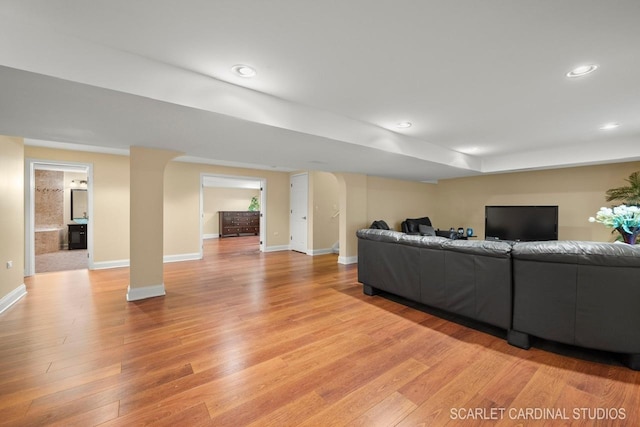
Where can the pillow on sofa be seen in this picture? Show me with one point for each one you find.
(410, 225)
(426, 230)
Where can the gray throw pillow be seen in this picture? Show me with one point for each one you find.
(426, 230)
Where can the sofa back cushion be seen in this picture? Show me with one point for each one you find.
(426, 230)
(379, 235)
(411, 225)
(576, 252)
(486, 248)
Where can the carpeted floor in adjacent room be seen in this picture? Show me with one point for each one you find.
(62, 260)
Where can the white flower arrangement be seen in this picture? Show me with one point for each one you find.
(625, 219)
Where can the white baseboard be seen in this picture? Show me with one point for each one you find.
(102, 265)
(144, 292)
(347, 259)
(182, 257)
(12, 297)
(276, 248)
(210, 236)
(314, 252)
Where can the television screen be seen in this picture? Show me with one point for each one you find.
(521, 223)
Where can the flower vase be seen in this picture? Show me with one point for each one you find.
(629, 238)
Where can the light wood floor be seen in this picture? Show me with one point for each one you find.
(275, 339)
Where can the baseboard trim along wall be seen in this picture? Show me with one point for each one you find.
(210, 236)
(314, 252)
(276, 248)
(135, 294)
(347, 259)
(12, 297)
(181, 257)
(102, 265)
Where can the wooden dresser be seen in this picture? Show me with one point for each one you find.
(236, 223)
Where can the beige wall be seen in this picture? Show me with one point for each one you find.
(11, 214)
(216, 199)
(579, 192)
(394, 200)
(352, 193)
(323, 206)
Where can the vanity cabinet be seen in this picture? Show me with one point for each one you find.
(77, 236)
(236, 223)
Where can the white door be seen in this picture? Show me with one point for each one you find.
(298, 218)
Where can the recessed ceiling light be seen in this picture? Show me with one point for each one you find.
(609, 126)
(403, 125)
(469, 150)
(243, 70)
(582, 70)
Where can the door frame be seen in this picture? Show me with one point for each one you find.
(29, 204)
(306, 230)
(263, 205)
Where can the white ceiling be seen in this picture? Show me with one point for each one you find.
(483, 82)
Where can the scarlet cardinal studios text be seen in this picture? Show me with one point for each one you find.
(538, 413)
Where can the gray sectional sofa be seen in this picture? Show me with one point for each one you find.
(580, 293)
(465, 277)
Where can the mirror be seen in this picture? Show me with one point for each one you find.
(78, 204)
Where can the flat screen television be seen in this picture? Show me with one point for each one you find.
(521, 223)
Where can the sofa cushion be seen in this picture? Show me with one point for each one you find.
(479, 247)
(379, 235)
(412, 224)
(426, 230)
(576, 252)
(433, 242)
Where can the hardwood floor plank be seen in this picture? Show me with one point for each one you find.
(92, 417)
(388, 412)
(16, 372)
(508, 382)
(293, 413)
(436, 408)
(108, 389)
(194, 416)
(361, 401)
(39, 387)
(158, 414)
(271, 339)
(95, 357)
(76, 400)
(213, 390)
(13, 414)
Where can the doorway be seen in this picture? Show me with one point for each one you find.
(58, 204)
(230, 193)
(299, 212)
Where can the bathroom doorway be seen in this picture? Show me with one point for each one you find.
(58, 211)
